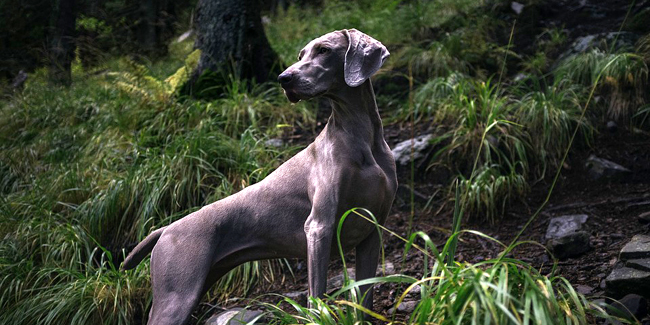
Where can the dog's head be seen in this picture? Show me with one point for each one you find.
(345, 58)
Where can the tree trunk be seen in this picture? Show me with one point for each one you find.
(147, 31)
(62, 45)
(231, 38)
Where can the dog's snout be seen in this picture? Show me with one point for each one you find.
(285, 77)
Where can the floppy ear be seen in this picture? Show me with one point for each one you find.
(364, 57)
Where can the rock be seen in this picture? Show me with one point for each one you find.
(517, 7)
(298, 296)
(644, 217)
(407, 306)
(629, 307)
(599, 168)
(402, 150)
(570, 245)
(627, 280)
(19, 80)
(387, 269)
(602, 41)
(583, 289)
(277, 143)
(612, 127)
(184, 36)
(235, 316)
(336, 282)
(404, 307)
(561, 226)
(638, 247)
(416, 290)
(639, 264)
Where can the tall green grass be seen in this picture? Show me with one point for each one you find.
(89, 169)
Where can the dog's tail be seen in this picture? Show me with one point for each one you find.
(142, 250)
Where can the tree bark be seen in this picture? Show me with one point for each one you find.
(231, 38)
(62, 45)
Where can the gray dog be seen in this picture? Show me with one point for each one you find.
(294, 212)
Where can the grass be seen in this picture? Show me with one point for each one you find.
(89, 169)
(495, 291)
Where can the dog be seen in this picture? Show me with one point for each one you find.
(295, 211)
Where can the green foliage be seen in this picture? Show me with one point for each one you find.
(88, 169)
(495, 291)
(623, 78)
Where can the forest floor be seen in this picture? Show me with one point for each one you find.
(612, 206)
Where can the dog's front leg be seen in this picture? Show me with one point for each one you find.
(319, 229)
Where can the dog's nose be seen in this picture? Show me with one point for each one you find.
(285, 78)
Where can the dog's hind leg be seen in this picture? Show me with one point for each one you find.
(367, 258)
(179, 269)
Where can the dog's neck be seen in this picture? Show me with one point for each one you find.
(354, 112)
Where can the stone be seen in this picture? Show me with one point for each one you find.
(336, 282)
(517, 7)
(407, 306)
(644, 217)
(603, 169)
(298, 296)
(19, 80)
(612, 127)
(638, 247)
(277, 143)
(404, 307)
(629, 307)
(185, 36)
(387, 269)
(571, 245)
(561, 226)
(639, 264)
(235, 316)
(402, 150)
(625, 280)
(583, 289)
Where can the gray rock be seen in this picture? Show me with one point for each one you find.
(629, 307)
(407, 306)
(387, 269)
(602, 41)
(404, 307)
(571, 245)
(639, 264)
(277, 143)
(599, 168)
(583, 289)
(298, 296)
(625, 280)
(236, 316)
(19, 80)
(517, 7)
(612, 127)
(644, 217)
(561, 226)
(185, 36)
(402, 150)
(638, 247)
(336, 282)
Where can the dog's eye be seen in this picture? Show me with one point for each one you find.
(323, 50)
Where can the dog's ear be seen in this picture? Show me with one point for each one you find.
(364, 57)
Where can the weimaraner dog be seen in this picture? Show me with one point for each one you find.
(294, 212)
